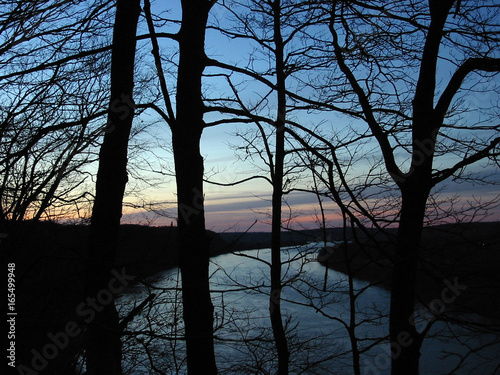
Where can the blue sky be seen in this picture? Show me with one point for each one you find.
(237, 207)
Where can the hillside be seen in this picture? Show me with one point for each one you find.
(260, 240)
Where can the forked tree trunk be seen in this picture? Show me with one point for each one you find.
(405, 340)
(103, 344)
(415, 190)
(193, 241)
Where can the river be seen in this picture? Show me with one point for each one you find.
(316, 322)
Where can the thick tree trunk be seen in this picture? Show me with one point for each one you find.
(193, 242)
(405, 340)
(193, 255)
(103, 344)
(415, 190)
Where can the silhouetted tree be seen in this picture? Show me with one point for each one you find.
(103, 336)
(49, 105)
(382, 67)
(193, 241)
(272, 26)
(419, 108)
(187, 125)
(277, 172)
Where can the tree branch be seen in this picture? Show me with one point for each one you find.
(444, 174)
(79, 55)
(156, 54)
(470, 65)
(374, 126)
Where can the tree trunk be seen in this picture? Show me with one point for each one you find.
(275, 296)
(103, 344)
(277, 179)
(405, 340)
(193, 241)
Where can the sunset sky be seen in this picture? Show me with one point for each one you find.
(236, 208)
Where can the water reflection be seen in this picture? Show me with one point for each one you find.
(317, 322)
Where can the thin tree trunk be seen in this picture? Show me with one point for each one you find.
(275, 296)
(103, 344)
(352, 300)
(193, 241)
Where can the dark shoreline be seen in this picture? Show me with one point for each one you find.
(467, 255)
(50, 263)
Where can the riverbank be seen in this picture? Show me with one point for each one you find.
(50, 265)
(465, 254)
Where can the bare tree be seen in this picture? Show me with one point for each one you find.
(55, 63)
(49, 106)
(406, 109)
(187, 125)
(103, 341)
(277, 172)
(272, 26)
(381, 64)
(377, 77)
